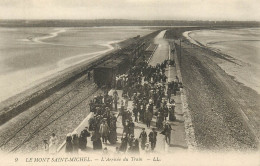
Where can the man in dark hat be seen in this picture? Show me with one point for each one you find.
(143, 137)
(135, 111)
(115, 99)
(167, 131)
(153, 138)
(131, 127)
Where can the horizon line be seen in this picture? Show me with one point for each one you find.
(56, 19)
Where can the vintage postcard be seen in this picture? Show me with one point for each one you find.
(129, 82)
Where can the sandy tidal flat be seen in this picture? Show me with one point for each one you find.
(29, 56)
(240, 46)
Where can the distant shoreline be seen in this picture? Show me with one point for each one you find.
(123, 22)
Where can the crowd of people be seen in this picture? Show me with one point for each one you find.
(147, 87)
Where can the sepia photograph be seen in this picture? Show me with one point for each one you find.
(130, 82)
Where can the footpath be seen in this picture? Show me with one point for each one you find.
(178, 140)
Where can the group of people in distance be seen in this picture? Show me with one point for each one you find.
(146, 86)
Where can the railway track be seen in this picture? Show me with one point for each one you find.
(38, 114)
(52, 117)
(44, 125)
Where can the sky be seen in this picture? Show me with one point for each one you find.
(245, 10)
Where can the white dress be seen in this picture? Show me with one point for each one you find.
(53, 145)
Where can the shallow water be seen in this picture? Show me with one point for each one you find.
(29, 56)
(243, 47)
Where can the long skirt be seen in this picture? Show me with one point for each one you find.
(143, 142)
(69, 148)
(82, 143)
(97, 144)
(123, 147)
(112, 137)
(53, 148)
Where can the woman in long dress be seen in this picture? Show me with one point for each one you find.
(104, 131)
(69, 147)
(53, 144)
(75, 142)
(143, 138)
(124, 141)
(171, 112)
(112, 134)
(97, 145)
(83, 141)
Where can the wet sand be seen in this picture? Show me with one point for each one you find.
(30, 56)
(240, 46)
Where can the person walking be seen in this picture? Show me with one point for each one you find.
(169, 94)
(53, 144)
(75, 142)
(148, 117)
(131, 127)
(167, 132)
(112, 138)
(124, 142)
(135, 111)
(141, 113)
(83, 139)
(172, 116)
(153, 138)
(69, 146)
(115, 99)
(104, 131)
(143, 138)
(97, 145)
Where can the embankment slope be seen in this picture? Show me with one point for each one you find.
(216, 102)
(219, 105)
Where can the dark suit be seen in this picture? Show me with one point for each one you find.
(143, 137)
(153, 139)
